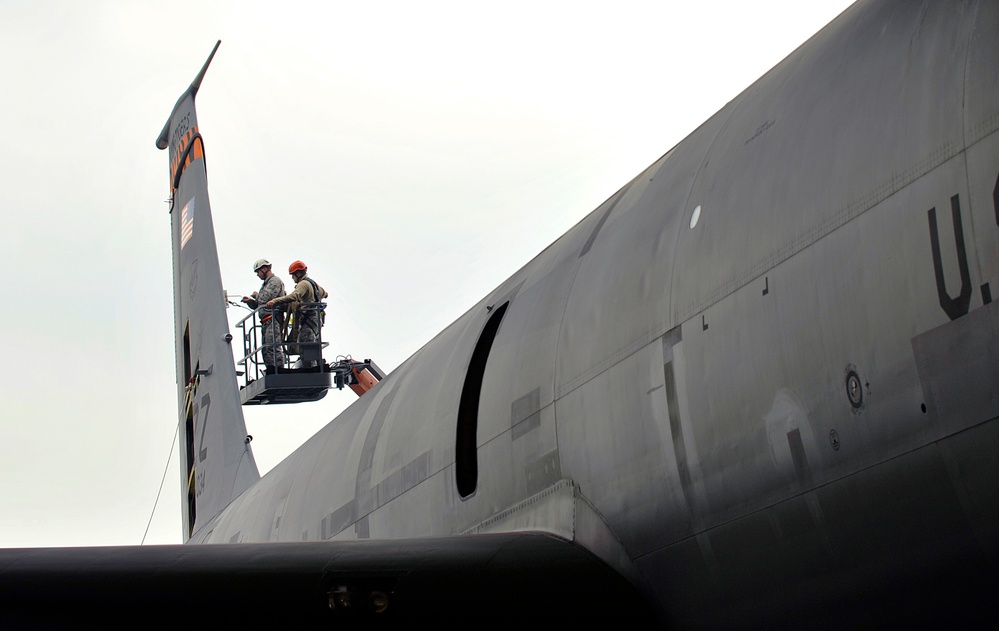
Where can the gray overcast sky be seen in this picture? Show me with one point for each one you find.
(414, 155)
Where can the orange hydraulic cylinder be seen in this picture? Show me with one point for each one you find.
(365, 380)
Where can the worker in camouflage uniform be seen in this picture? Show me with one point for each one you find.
(271, 320)
(305, 328)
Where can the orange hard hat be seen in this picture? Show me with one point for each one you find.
(297, 266)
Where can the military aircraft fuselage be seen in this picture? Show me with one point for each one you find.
(760, 380)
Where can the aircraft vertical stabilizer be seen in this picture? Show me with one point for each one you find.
(216, 462)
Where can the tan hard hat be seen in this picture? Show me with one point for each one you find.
(261, 263)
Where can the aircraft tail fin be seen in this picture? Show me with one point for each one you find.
(216, 461)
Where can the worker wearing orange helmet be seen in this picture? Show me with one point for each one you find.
(306, 323)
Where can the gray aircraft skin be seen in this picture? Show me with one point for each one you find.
(755, 387)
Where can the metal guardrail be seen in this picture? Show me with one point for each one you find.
(252, 327)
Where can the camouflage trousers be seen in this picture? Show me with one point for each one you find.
(307, 334)
(272, 334)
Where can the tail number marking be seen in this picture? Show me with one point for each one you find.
(200, 483)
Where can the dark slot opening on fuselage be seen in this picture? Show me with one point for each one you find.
(465, 459)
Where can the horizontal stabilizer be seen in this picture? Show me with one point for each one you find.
(162, 141)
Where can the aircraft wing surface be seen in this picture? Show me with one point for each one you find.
(529, 577)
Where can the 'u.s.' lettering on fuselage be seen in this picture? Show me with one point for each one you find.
(955, 307)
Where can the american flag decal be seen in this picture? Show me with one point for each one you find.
(186, 223)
